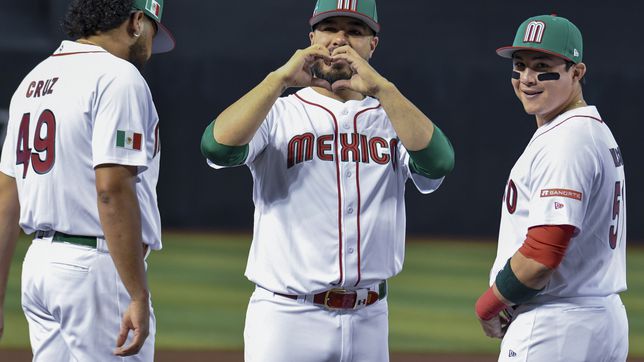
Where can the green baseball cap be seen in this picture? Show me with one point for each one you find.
(163, 41)
(549, 34)
(364, 10)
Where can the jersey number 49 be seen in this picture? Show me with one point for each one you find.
(42, 160)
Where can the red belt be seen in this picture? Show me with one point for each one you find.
(338, 298)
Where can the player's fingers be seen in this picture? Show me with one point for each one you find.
(492, 328)
(343, 57)
(313, 56)
(135, 346)
(122, 337)
(345, 49)
(341, 85)
(317, 51)
(317, 82)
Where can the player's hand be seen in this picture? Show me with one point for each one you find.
(497, 326)
(137, 319)
(297, 72)
(365, 79)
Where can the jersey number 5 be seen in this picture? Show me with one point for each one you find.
(618, 196)
(44, 145)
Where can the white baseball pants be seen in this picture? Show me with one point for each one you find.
(74, 301)
(568, 330)
(279, 329)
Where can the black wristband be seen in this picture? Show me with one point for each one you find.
(511, 287)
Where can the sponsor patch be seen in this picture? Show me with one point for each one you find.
(571, 194)
(128, 140)
(558, 205)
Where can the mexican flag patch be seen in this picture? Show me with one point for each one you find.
(128, 140)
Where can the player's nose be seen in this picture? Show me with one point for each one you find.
(340, 39)
(529, 76)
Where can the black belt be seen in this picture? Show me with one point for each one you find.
(66, 238)
(339, 298)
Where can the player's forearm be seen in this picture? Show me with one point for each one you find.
(414, 128)
(237, 125)
(9, 229)
(530, 272)
(120, 216)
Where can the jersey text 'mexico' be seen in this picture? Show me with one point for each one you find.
(353, 147)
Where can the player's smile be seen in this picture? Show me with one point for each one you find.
(531, 94)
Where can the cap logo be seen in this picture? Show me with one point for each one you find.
(153, 7)
(348, 4)
(534, 32)
(575, 52)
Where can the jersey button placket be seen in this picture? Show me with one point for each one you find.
(350, 204)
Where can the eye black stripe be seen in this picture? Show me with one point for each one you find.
(548, 76)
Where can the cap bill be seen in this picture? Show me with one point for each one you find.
(506, 52)
(163, 42)
(349, 13)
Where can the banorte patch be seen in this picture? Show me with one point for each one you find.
(571, 194)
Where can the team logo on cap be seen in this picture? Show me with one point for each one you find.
(534, 32)
(153, 7)
(348, 4)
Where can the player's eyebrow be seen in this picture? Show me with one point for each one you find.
(352, 22)
(535, 57)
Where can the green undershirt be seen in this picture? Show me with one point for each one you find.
(219, 154)
(436, 160)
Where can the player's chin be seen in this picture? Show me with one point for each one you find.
(531, 107)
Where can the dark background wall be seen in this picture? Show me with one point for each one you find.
(439, 53)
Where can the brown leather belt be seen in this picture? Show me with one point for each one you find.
(339, 298)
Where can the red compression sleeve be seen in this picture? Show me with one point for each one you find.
(547, 244)
(489, 306)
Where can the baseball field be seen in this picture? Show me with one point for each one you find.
(200, 295)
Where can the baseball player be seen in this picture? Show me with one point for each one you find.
(329, 165)
(79, 170)
(561, 256)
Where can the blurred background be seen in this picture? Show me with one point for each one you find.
(440, 54)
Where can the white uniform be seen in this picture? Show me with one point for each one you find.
(79, 108)
(329, 184)
(571, 173)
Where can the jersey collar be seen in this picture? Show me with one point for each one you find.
(68, 47)
(587, 111)
(311, 95)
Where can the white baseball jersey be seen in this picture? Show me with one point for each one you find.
(329, 184)
(571, 173)
(80, 108)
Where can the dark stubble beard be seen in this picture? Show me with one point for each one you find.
(332, 73)
(138, 55)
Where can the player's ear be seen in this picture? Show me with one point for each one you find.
(136, 24)
(579, 71)
(311, 36)
(373, 44)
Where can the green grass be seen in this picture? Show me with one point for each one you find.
(200, 295)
